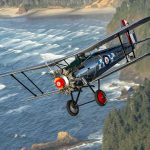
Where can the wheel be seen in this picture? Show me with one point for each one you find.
(72, 108)
(100, 97)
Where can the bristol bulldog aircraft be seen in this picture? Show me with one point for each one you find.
(89, 65)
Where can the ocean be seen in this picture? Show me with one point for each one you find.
(26, 41)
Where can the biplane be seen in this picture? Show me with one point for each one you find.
(89, 65)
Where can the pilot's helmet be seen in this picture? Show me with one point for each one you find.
(81, 55)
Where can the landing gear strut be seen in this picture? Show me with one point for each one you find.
(72, 105)
(100, 96)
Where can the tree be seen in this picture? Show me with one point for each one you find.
(129, 127)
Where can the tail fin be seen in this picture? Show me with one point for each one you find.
(128, 37)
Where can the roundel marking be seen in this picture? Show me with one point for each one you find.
(106, 60)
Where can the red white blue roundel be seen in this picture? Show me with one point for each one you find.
(106, 60)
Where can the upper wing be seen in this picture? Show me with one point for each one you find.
(116, 34)
(90, 48)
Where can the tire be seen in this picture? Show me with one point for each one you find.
(72, 108)
(100, 97)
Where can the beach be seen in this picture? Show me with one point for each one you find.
(8, 12)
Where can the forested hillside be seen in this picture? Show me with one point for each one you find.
(133, 10)
(129, 128)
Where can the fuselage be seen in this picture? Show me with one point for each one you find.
(90, 67)
(101, 61)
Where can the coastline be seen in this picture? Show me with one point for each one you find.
(11, 12)
(45, 12)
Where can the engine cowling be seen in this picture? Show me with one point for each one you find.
(65, 81)
(61, 82)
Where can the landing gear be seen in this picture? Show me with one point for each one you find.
(72, 105)
(100, 97)
(72, 108)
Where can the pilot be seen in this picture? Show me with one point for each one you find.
(77, 63)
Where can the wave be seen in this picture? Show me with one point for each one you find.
(58, 38)
(94, 30)
(52, 38)
(47, 38)
(16, 51)
(57, 32)
(115, 88)
(27, 35)
(43, 73)
(69, 46)
(75, 49)
(107, 87)
(96, 136)
(50, 46)
(2, 86)
(25, 55)
(19, 135)
(1, 46)
(125, 84)
(117, 84)
(41, 30)
(8, 96)
(80, 33)
(6, 52)
(84, 145)
(50, 56)
(11, 42)
(95, 27)
(18, 44)
(6, 29)
(114, 95)
(18, 110)
(28, 43)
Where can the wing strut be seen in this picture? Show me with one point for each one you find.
(123, 47)
(132, 45)
(32, 82)
(23, 85)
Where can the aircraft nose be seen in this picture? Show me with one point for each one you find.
(59, 82)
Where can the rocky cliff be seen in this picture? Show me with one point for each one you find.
(104, 3)
(133, 10)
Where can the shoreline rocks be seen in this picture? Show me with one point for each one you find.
(64, 141)
(22, 10)
(125, 93)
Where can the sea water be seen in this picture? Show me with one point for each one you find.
(29, 41)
